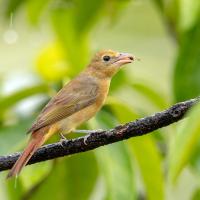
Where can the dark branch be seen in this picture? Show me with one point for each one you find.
(100, 138)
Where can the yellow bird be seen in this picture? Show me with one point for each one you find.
(75, 103)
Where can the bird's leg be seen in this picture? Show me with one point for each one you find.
(62, 137)
(87, 131)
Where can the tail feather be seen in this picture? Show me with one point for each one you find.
(37, 139)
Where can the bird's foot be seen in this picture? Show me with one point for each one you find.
(88, 132)
(62, 139)
(85, 139)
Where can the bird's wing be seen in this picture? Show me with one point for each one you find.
(78, 94)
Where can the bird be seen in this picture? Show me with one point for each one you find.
(78, 101)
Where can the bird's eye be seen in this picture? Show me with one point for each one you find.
(106, 58)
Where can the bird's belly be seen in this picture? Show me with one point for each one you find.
(70, 123)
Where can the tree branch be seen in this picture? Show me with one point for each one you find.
(100, 138)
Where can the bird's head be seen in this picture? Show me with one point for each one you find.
(107, 62)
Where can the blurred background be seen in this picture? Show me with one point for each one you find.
(45, 43)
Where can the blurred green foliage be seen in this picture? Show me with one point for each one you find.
(148, 167)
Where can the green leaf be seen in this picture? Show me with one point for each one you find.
(189, 13)
(15, 189)
(149, 161)
(12, 6)
(185, 143)
(72, 23)
(33, 175)
(146, 154)
(86, 14)
(152, 95)
(160, 4)
(116, 166)
(71, 178)
(11, 137)
(196, 195)
(75, 46)
(35, 9)
(10, 100)
(54, 183)
(105, 119)
(171, 8)
(118, 80)
(194, 162)
(82, 175)
(114, 8)
(123, 112)
(187, 69)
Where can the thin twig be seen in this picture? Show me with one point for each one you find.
(100, 138)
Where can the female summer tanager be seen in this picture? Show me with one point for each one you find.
(75, 103)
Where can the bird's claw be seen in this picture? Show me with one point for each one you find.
(62, 139)
(85, 139)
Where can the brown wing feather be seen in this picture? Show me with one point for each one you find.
(76, 95)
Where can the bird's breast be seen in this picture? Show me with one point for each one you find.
(103, 92)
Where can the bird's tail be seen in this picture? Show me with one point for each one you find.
(37, 139)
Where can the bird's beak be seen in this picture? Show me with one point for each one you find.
(124, 58)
